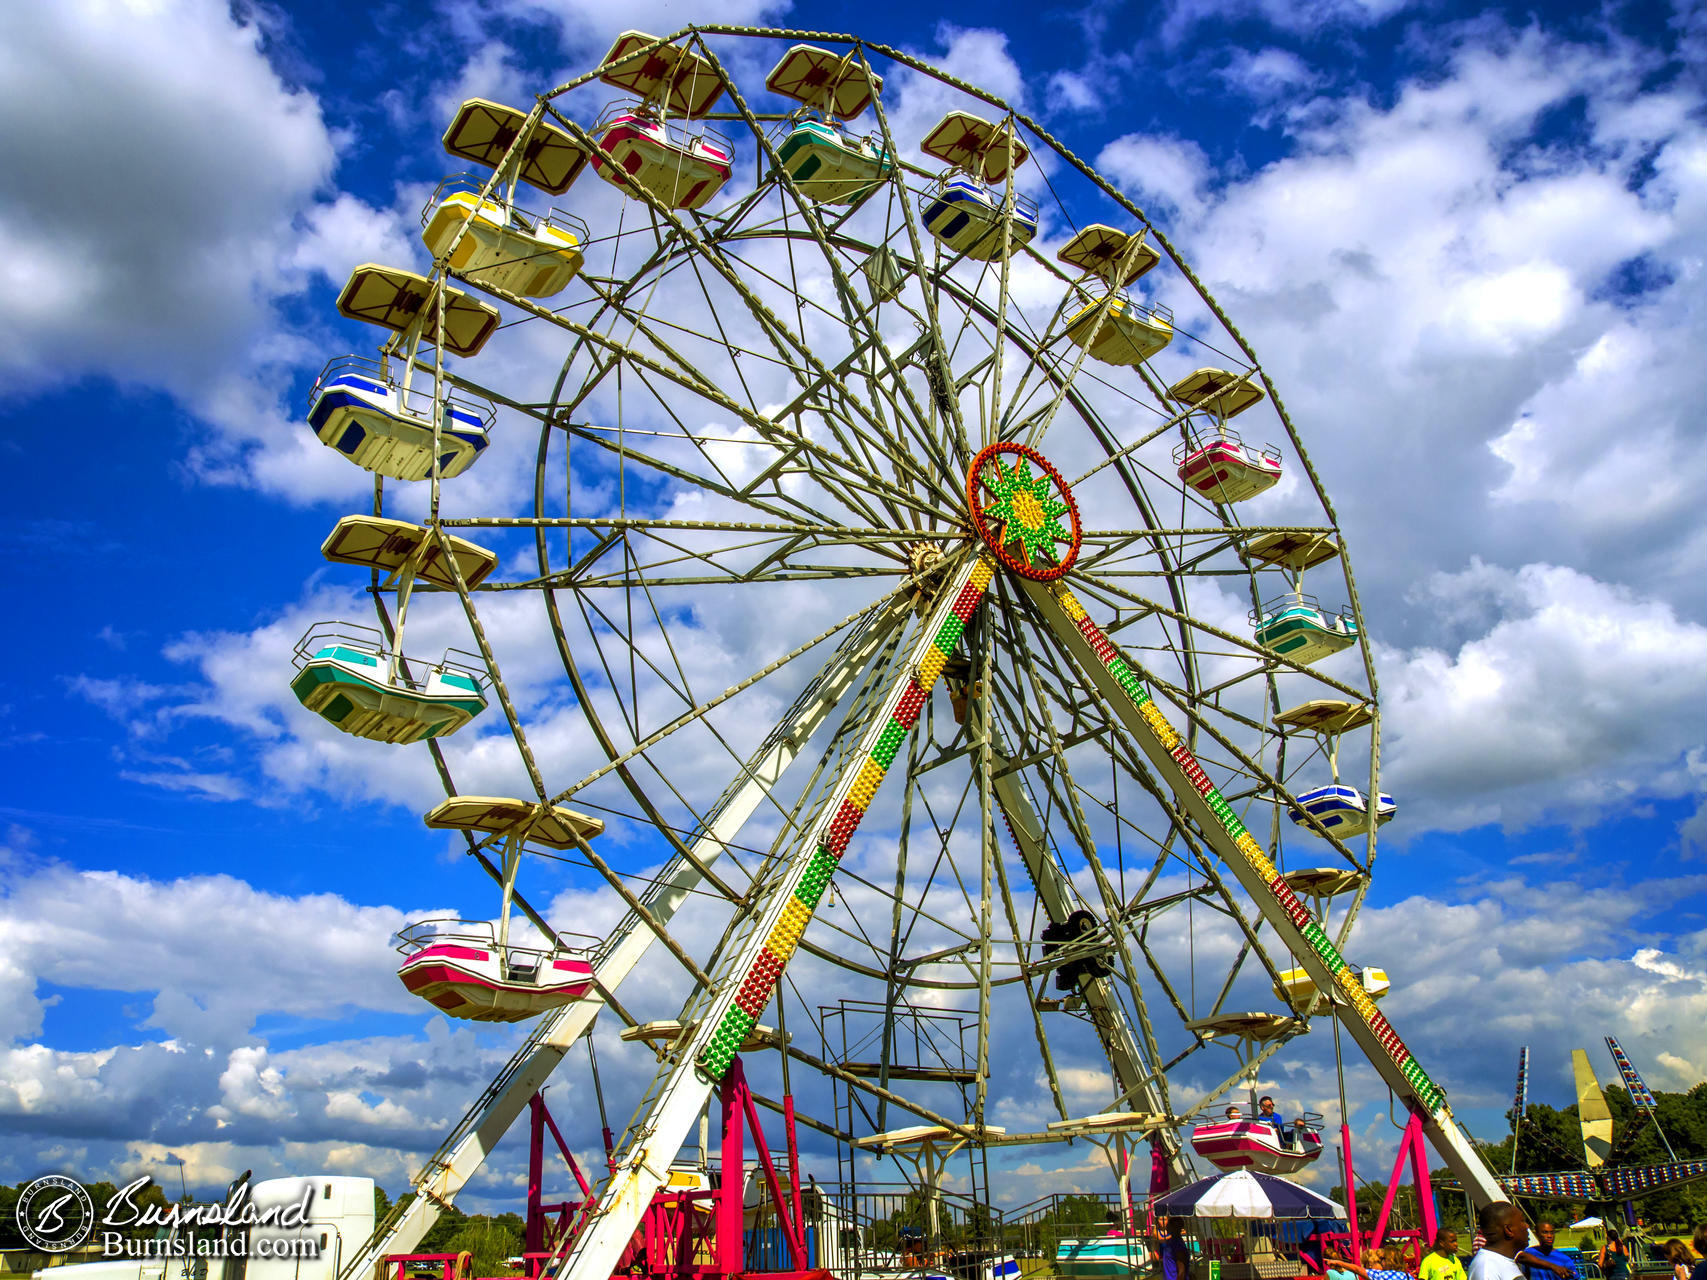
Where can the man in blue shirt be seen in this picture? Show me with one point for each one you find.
(1543, 1260)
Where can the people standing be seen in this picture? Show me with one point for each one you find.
(1441, 1261)
(1378, 1264)
(1506, 1231)
(1700, 1238)
(1613, 1258)
(1679, 1255)
(1174, 1254)
(1543, 1257)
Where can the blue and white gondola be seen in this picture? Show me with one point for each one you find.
(1337, 807)
(357, 409)
(966, 217)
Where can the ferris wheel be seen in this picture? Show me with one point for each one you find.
(928, 615)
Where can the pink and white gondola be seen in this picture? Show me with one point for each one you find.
(683, 170)
(1257, 1144)
(1226, 469)
(458, 967)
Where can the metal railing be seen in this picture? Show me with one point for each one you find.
(1272, 609)
(416, 402)
(648, 118)
(1196, 442)
(426, 933)
(369, 642)
(517, 218)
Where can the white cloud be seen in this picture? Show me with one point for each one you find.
(213, 952)
(1483, 337)
(1167, 172)
(1578, 696)
(585, 28)
(172, 195)
(1183, 17)
(1536, 976)
(1266, 74)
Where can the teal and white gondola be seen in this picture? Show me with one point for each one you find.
(347, 676)
(831, 166)
(357, 408)
(827, 163)
(1297, 627)
(1341, 808)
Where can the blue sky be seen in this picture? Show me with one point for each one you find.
(1467, 243)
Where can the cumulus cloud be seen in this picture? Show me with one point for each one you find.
(212, 951)
(1576, 696)
(1444, 297)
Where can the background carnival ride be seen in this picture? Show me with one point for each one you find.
(851, 386)
(1607, 1176)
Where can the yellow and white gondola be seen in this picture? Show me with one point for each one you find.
(530, 254)
(1298, 989)
(1128, 334)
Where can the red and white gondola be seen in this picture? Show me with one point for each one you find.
(458, 967)
(1265, 1146)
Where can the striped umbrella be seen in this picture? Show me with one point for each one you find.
(1244, 1194)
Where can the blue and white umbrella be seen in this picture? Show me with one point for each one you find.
(1244, 1194)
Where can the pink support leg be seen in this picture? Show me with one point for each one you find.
(1350, 1191)
(732, 1181)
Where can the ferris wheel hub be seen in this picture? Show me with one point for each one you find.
(1019, 515)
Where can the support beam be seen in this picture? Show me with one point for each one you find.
(758, 958)
(456, 1161)
(1119, 683)
(1132, 1079)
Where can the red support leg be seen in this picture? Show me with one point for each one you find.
(1350, 1191)
(1425, 1187)
(793, 1161)
(732, 1180)
(790, 1225)
(533, 1237)
(1411, 1148)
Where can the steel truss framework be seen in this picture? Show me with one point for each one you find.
(752, 448)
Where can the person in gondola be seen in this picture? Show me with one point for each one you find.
(1267, 1114)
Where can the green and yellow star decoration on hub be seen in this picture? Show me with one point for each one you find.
(1022, 521)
